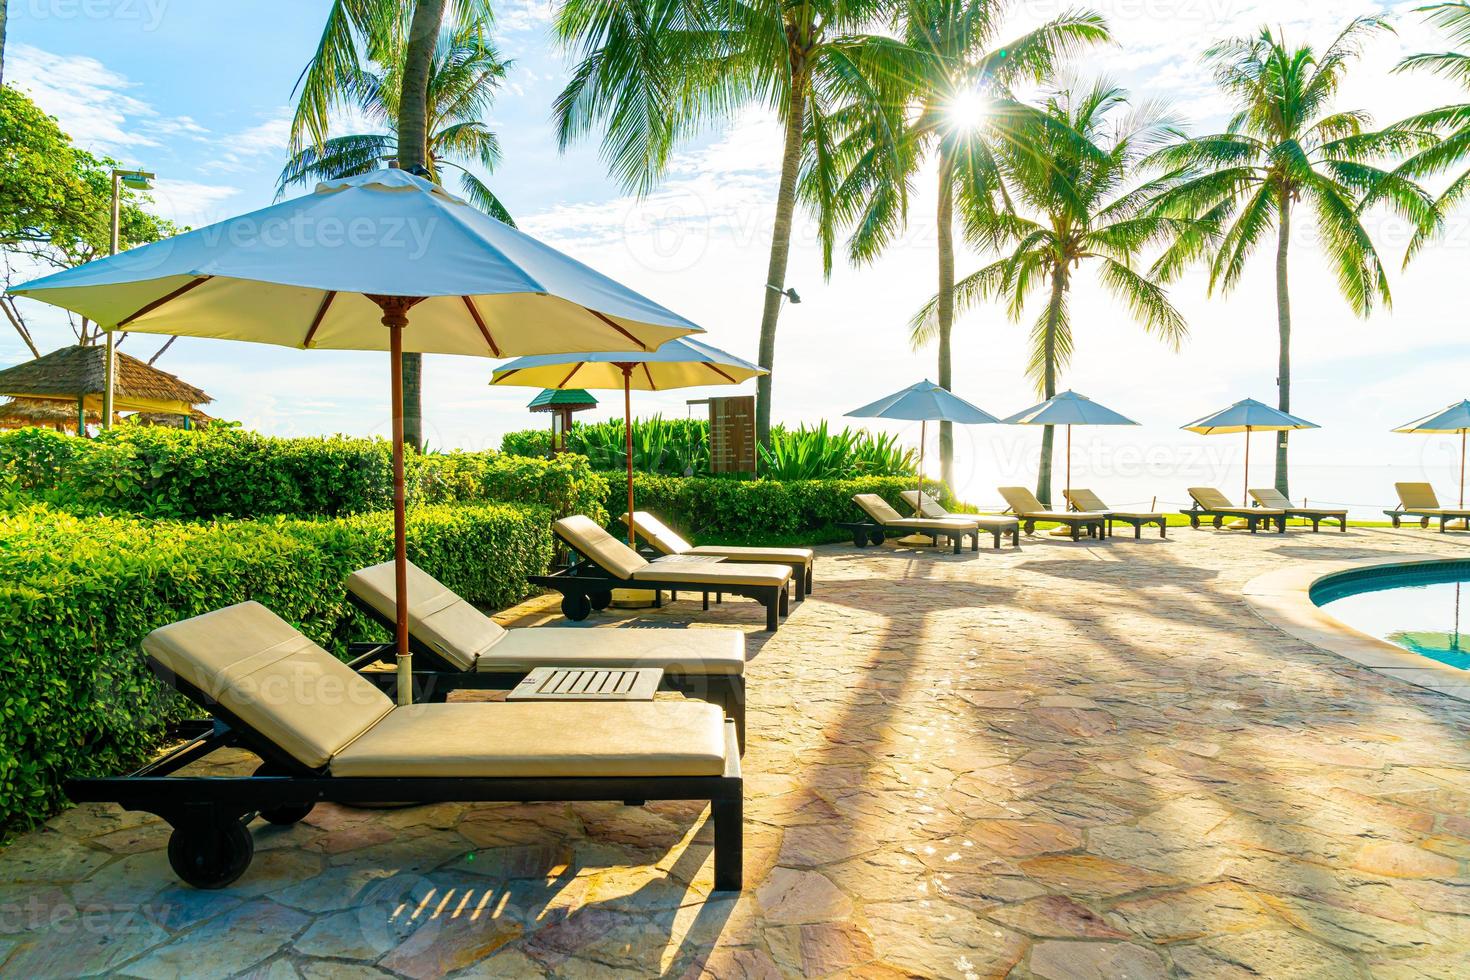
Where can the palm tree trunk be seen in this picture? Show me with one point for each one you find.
(3, 5)
(413, 143)
(945, 308)
(780, 245)
(1283, 326)
(1054, 309)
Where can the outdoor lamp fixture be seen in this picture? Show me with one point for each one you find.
(788, 293)
(134, 180)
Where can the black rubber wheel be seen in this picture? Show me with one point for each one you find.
(210, 855)
(576, 607)
(601, 600)
(860, 538)
(282, 816)
(876, 537)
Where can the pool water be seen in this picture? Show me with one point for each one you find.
(1421, 608)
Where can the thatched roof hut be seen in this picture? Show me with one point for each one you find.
(76, 372)
(21, 413)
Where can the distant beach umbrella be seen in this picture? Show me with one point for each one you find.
(682, 363)
(1449, 421)
(1248, 416)
(1069, 409)
(334, 268)
(924, 402)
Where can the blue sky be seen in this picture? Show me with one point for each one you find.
(200, 93)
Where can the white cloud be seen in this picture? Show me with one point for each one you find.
(92, 102)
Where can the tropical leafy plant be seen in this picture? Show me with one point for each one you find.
(817, 454)
(1288, 146)
(1075, 174)
(948, 97)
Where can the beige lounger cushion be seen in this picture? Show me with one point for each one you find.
(278, 682)
(713, 574)
(667, 541)
(877, 508)
(1417, 496)
(472, 641)
(542, 740)
(437, 617)
(927, 507)
(612, 555)
(883, 513)
(676, 651)
(1023, 503)
(1275, 499)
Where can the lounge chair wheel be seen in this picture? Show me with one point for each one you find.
(282, 816)
(875, 536)
(210, 855)
(860, 538)
(576, 607)
(600, 600)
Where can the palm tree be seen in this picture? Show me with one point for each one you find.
(4, 5)
(1073, 171)
(653, 72)
(366, 28)
(1288, 145)
(464, 77)
(954, 101)
(1450, 124)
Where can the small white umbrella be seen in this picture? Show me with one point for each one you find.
(332, 268)
(1248, 415)
(1452, 420)
(1069, 409)
(683, 363)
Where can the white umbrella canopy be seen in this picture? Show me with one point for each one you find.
(333, 268)
(924, 402)
(301, 273)
(1069, 409)
(1248, 415)
(1454, 420)
(682, 363)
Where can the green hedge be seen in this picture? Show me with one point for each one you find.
(757, 512)
(78, 594)
(222, 472)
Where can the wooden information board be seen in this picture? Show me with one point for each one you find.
(732, 435)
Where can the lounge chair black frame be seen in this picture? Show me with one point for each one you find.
(1424, 517)
(1317, 516)
(211, 844)
(1096, 527)
(585, 585)
(1138, 524)
(1251, 515)
(868, 531)
(442, 678)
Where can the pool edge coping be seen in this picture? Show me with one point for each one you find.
(1283, 599)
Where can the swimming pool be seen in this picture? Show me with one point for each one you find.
(1420, 608)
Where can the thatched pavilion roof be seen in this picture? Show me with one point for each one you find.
(75, 371)
(18, 413)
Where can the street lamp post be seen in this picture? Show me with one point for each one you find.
(137, 180)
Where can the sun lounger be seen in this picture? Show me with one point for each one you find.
(1209, 502)
(664, 540)
(1087, 501)
(601, 563)
(1419, 500)
(456, 646)
(880, 518)
(1029, 511)
(325, 733)
(1274, 499)
(998, 525)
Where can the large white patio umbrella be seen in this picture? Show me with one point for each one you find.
(1069, 409)
(332, 268)
(684, 363)
(1455, 419)
(924, 402)
(1248, 416)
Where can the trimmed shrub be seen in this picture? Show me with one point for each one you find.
(77, 595)
(769, 512)
(222, 472)
(527, 442)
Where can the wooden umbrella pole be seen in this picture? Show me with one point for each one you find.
(628, 435)
(1069, 463)
(395, 318)
(1245, 491)
(923, 438)
(1462, 469)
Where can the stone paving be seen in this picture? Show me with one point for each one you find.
(1072, 761)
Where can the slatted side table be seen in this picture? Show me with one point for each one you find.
(588, 684)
